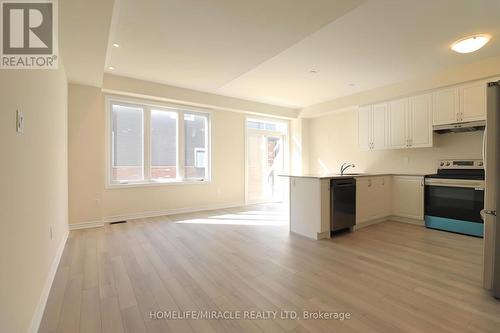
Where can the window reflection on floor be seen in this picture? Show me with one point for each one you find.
(261, 215)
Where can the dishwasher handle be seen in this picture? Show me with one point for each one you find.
(335, 185)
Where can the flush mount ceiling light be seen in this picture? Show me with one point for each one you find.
(116, 45)
(470, 44)
(111, 68)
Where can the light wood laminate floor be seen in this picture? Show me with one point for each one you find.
(391, 277)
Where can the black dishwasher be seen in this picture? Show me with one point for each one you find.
(342, 204)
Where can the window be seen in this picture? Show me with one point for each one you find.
(157, 144)
(127, 143)
(267, 125)
(163, 144)
(195, 138)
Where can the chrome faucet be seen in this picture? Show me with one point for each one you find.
(344, 167)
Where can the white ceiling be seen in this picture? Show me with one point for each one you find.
(264, 50)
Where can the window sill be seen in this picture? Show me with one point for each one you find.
(157, 183)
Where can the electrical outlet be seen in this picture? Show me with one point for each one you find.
(19, 122)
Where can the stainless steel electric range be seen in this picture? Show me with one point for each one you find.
(454, 197)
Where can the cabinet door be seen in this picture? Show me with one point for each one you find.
(381, 197)
(420, 123)
(364, 204)
(473, 102)
(379, 113)
(364, 127)
(445, 108)
(396, 123)
(408, 197)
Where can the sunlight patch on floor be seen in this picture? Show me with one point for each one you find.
(256, 218)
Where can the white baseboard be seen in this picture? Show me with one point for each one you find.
(85, 225)
(42, 302)
(405, 219)
(143, 215)
(366, 223)
(323, 235)
(395, 218)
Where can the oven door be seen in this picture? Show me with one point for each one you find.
(457, 199)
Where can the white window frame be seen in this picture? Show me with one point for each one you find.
(147, 106)
(196, 151)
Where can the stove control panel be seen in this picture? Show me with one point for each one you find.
(460, 164)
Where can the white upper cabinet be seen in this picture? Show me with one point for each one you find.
(372, 126)
(397, 112)
(460, 104)
(379, 126)
(364, 127)
(445, 109)
(402, 123)
(407, 122)
(473, 102)
(420, 121)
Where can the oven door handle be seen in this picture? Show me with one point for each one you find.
(475, 184)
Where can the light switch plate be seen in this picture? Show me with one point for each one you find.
(19, 122)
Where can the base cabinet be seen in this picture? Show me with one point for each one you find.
(310, 207)
(373, 198)
(408, 197)
(384, 196)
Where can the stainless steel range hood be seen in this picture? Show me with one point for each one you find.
(470, 126)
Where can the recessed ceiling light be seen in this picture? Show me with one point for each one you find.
(116, 45)
(470, 44)
(313, 71)
(351, 84)
(111, 68)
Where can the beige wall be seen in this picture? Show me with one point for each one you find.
(33, 189)
(299, 158)
(91, 201)
(334, 139)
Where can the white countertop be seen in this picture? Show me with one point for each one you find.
(348, 175)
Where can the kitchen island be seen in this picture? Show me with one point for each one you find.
(378, 197)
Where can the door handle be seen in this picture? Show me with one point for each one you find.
(485, 133)
(488, 212)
